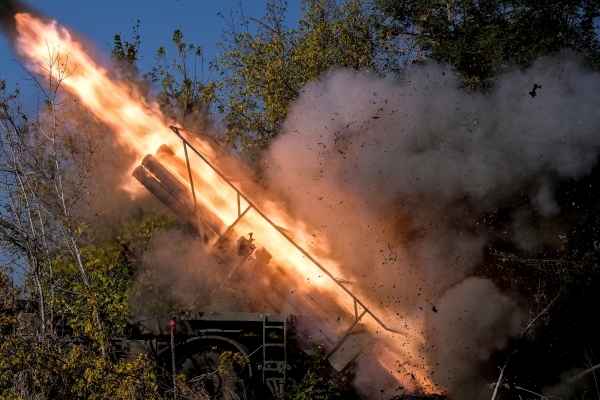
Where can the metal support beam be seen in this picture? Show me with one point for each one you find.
(176, 130)
(187, 160)
(345, 335)
(229, 228)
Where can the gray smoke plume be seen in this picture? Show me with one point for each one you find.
(403, 180)
(566, 387)
(176, 275)
(8, 9)
(473, 320)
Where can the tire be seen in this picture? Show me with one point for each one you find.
(199, 361)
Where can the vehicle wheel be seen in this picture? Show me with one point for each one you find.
(200, 361)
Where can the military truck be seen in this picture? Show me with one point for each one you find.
(196, 182)
(231, 352)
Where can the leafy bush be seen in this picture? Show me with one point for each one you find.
(317, 381)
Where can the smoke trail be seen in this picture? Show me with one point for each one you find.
(406, 181)
(109, 160)
(8, 9)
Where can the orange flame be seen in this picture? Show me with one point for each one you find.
(140, 126)
(52, 52)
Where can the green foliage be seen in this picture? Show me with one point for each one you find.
(273, 335)
(112, 266)
(477, 37)
(72, 366)
(264, 64)
(184, 92)
(53, 368)
(317, 382)
(9, 294)
(231, 361)
(127, 52)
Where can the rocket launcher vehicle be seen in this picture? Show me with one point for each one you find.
(196, 182)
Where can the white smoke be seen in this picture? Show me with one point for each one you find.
(178, 275)
(473, 321)
(403, 179)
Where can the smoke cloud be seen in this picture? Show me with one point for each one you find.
(8, 9)
(405, 180)
(566, 388)
(177, 275)
(473, 321)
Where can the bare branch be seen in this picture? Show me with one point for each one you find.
(500, 379)
(583, 373)
(533, 321)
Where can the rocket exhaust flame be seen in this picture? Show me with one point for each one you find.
(52, 52)
(357, 302)
(337, 290)
(199, 187)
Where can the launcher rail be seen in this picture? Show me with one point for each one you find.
(240, 214)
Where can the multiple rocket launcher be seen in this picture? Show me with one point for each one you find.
(247, 261)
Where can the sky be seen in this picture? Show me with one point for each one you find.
(100, 20)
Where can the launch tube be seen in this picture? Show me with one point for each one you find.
(183, 213)
(174, 185)
(166, 156)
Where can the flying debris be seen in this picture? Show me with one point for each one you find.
(535, 86)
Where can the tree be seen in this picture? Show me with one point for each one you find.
(316, 380)
(75, 284)
(565, 293)
(65, 362)
(478, 37)
(185, 92)
(264, 64)
(45, 168)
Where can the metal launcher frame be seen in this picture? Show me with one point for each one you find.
(260, 338)
(350, 338)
